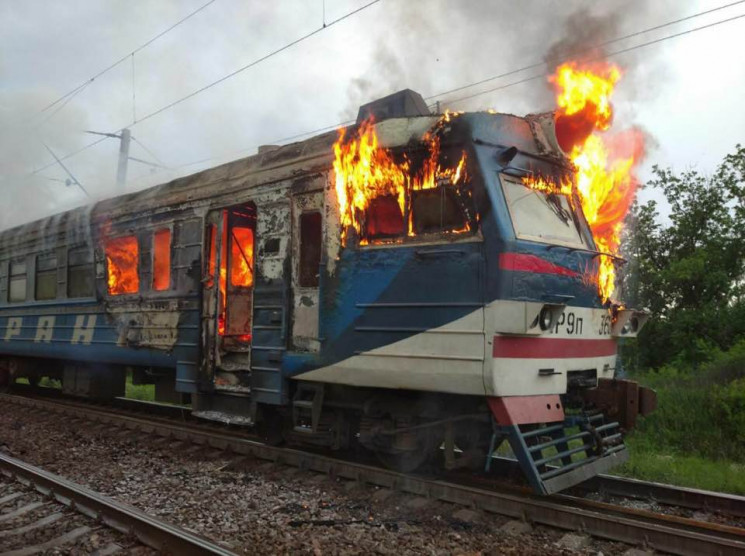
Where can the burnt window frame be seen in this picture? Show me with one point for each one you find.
(89, 262)
(12, 262)
(38, 272)
(586, 241)
(140, 290)
(315, 283)
(439, 237)
(443, 191)
(169, 229)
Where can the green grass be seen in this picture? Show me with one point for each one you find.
(696, 436)
(650, 464)
(144, 392)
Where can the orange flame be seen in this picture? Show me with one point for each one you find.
(122, 255)
(366, 173)
(604, 179)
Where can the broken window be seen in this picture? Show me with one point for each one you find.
(241, 257)
(46, 277)
(122, 257)
(384, 218)
(271, 247)
(540, 216)
(310, 249)
(80, 280)
(162, 259)
(17, 281)
(436, 211)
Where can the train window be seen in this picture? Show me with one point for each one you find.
(437, 210)
(384, 218)
(46, 277)
(310, 249)
(162, 259)
(17, 281)
(80, 277)
(241, 257)
(539, 216)
(122, 258)
(271, 247)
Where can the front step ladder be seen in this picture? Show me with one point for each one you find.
(557, 456)
(306, 407)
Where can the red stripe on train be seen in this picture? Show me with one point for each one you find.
(551, 348)
(522, 262)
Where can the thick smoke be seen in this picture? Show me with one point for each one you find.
(29, 195)
(431, 53)
(430, 47)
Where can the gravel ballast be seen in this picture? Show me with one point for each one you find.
(252, 506)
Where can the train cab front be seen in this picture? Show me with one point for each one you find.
(554, 395)
(551, 328)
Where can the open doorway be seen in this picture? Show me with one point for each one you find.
(228, 294)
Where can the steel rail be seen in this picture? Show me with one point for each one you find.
(670, 495)
(666, 533)
(607, 485)
(691, 498)
(153, 532)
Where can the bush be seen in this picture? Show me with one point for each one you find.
(701, 409)
(729, 407)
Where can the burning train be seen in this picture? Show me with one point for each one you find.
(426, 286)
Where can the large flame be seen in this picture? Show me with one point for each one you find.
(365, 172)
(122, 255)
(604, 180)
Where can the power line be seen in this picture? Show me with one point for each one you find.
(607, 55)
(123, 58)
(255, 62)
(69, 155)
(512, 84)
(148, 151)
(586, 49)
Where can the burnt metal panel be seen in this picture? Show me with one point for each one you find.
(186, 255)
(269, 337)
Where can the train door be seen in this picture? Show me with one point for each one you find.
(228, 296)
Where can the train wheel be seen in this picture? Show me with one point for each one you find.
(422, 447)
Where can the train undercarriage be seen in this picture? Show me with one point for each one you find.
(406, 431)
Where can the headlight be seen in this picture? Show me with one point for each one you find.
(545, 318)
(628, 322)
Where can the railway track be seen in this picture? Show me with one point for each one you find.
(51, 493)
(667, 533)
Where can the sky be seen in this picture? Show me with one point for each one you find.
(684, 92)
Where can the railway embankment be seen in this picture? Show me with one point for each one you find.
(252, 506)
(696, 437)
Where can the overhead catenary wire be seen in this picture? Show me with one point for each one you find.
(512, 72)
(228, 76)
(511, 84)
(603, 56)
(255, 62)
(70, 155)
(148, 151)
(124, 58)
(583, 50)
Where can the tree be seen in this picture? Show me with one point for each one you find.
(689, 272)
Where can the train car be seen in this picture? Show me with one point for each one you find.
(441, 312)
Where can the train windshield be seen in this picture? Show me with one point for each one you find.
(541, 216)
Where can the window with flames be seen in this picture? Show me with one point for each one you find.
(392, 197)
(122, 265)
